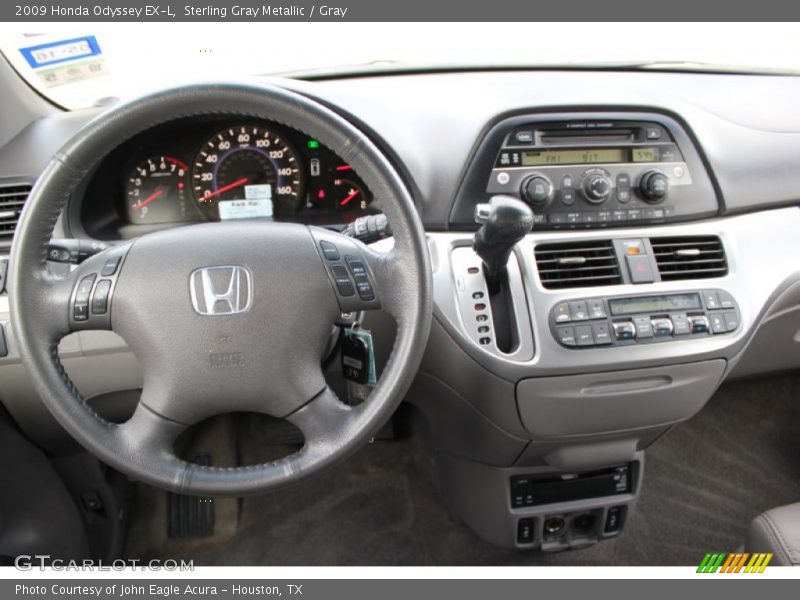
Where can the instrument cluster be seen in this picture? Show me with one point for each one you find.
(234, 169)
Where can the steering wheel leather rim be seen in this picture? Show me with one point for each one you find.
(41, 302)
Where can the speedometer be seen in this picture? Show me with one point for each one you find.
(247, 171)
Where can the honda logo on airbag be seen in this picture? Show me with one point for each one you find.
(220, 291)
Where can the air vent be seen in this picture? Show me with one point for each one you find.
(577, 264)
(12, 199)
(695, 257)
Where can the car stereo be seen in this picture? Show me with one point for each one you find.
(579, 170)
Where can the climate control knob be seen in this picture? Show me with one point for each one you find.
(596, 187)
(654, 186)
(537, 191)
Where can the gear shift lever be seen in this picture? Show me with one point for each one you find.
(505, 221)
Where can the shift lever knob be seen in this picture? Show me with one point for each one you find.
(505, 221)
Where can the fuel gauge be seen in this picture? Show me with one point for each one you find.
(349, 195)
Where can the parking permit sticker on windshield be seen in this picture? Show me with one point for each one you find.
(66, 61)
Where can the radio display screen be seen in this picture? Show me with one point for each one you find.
(645, 155)
(586, 156)
(651, 304)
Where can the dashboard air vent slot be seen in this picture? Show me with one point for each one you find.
(577, 264)
(690, 257)
(12, 199)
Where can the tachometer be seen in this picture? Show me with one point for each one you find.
(247, 171)
(156, 191)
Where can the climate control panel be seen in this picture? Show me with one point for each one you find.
(628, 320)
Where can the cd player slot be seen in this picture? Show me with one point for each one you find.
(567, 138)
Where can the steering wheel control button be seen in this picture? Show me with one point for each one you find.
(566, 336)
(624, 330)
(80, 310)
(365, 290)
(329, 250)
(110, 266)
(578, 311)
(100, 297)
(342, 279)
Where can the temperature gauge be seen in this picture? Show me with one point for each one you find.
(349, 195)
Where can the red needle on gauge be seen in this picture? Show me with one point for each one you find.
(142, 203)
(349, 197)
(226, 188)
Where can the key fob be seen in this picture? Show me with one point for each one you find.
(355, 359)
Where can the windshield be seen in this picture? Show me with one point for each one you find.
(80, 65)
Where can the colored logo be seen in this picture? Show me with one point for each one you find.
(735, 562)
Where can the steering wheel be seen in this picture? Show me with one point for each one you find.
(223, 317)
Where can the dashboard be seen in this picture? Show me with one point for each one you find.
(198, 170)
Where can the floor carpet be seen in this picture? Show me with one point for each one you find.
(704, 481)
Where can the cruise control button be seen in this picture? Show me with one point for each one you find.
(80, 311)
(602, 334)
(644, 328)
(329, 249)
(584, 335)
(566, 335)
(84, 289)
(342, 279)
(356, 267)
(110, 266)
(100, 297)
(365, 290)
(578, 310)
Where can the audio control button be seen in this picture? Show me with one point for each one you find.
(537, 191)
(623, 188)
(568, 197)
